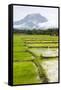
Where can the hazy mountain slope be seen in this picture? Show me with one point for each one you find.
(30, 21)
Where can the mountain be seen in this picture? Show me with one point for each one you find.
(31, 21)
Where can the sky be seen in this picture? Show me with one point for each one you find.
(19, 12)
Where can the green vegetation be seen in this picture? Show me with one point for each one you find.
(50, 31)
(27, 63)
(25, 73)
(22, 56)
(43, 45)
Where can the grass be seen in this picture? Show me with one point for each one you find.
(26, 68)
(43, 45)
(22, 56)
(19, 48)
(25, 73)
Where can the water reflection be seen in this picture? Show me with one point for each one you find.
(48, 58)
(50, 65)
(45, 52)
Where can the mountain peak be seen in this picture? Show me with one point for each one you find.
(30, 21)
(34, 15)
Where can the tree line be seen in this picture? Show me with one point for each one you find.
(50, 31)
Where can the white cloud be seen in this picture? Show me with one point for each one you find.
(19, 12)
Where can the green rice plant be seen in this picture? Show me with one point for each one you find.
(20, 56)
(25, 73)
